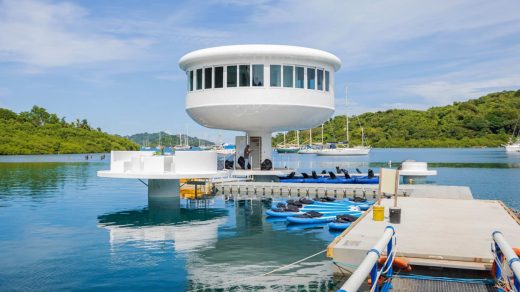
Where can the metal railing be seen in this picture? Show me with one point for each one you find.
(369, 266)
(504, 254)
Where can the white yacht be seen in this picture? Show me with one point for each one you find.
(513, 146)
(348, 150)
(514, 141)
(345, 151)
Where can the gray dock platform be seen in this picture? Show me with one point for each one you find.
(258, 190)
(433, 232)
(412, 285)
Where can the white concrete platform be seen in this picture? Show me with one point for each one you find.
(165, 175)
(433, 232)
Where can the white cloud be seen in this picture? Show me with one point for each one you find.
(379, 32)
(445, 92)
(46, 35)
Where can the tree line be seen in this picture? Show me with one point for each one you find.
(40, 132)
(488, 121)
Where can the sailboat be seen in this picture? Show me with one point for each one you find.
(287, 148)
(347, 151)
(514, 141)
(310, 148)
(181, 146)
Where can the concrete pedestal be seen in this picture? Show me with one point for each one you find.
(163, 188)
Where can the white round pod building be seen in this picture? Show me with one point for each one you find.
(260, 89)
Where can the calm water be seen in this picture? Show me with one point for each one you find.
(63, 228)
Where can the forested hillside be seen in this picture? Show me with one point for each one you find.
(487, 121)
(39, 132)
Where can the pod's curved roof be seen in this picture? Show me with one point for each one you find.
(208, 54)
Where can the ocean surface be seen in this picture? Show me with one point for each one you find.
(63, 228)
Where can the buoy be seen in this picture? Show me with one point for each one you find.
(494, 266)
(398, 263)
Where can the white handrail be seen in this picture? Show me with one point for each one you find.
(510, 255)
(359, 276)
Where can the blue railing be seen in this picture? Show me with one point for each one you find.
(369, 266)
(505, 255)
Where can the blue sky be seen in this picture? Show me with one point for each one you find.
(115, 62)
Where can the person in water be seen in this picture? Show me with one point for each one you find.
(247, 151)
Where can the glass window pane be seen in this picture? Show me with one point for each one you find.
(199, 79)
(276, 75)
(300, 81)
(258, 75)
(311, 72)
(231, 76)
(219, 77)
(287, 76)
(244, 75)
(327, 76)
(207, 77)
(320, 79)
(191, 80)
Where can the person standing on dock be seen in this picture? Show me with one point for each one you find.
(247, 151)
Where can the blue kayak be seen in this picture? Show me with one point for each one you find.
(300, 227)
(323, 219)
(339, 225)
(336, 204)
(325, 212)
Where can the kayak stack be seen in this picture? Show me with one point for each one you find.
(337, 180)
(341, 176)
(338, 214)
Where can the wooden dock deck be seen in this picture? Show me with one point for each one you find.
(433, 232)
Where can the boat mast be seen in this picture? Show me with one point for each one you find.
(346, 116)
(310, 136)
(322, 134)
(298, 138)
(362, 137)
(514, 132)
(187, 141)
(284, 142)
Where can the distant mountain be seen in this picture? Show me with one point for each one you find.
(40, 132)
(152, 140)
(486, 121)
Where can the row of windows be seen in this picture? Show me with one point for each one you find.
(253, 75)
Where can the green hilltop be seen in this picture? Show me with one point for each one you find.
(39, 132)
(487, 121)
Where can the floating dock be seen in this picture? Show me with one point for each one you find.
(434, 232)
(259, 190)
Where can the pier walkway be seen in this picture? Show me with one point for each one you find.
(433, 232)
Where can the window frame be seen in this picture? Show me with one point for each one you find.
(312, 69)
(279, 75)
(318, 70)
(262, 74)
(197, 79)
(227, 75)
(283, 76)
(215, 76)
(205, 78)
(327, 81)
